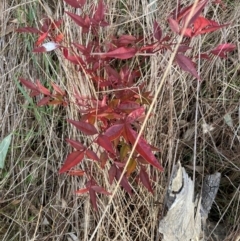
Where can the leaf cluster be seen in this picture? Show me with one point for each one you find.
(113, 120)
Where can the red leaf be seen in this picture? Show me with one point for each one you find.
(126, 39)
(183, 48)
(104, 142)
(92, 155)
(142, 147)
(34, 93)
(112, 73)
(184, 14)
(43, 101)
(72, 160)
(222, 49)
(121, 53)
(99, 14)
(112, 173)
(85, 127)
(58, 38)
(134, 115)
(41, 38)
(203, 56)
(58, 89)
(211, 29)
(30, 85)
(128, 106)
(73, 58)
(114, 131)
(81, 48)
(157, 31)
(93, 198)
(43, 89)
(186, 64)
(145, 180)
(76, 144)
(76, 173)
(40, 49)
(56, 24)
(82, 191)
(200, 23)
(173, 25)
(101, 190)
(78, 20)
(75, 3)
(124, 181)
(27, 30)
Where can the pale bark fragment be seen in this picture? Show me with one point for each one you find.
(186, 216)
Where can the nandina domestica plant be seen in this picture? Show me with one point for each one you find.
(112, 121)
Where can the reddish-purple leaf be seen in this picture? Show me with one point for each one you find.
(203, 56)
(92, 155)
(157, 31)
(112, 73)
(183, 48)
(128, 106)
(99, 14)
(72, 160)
(126, 39)
(196, 12)
(114, 131)
(82, 191)
(93, 198)
(76, 144)
(104, 142)
(99, 189)
(85, 127)
(81, 48)
(124, 181)
(134, 115)
(75, 3)
(43, 89)
(186, 64)
(30, 85)
(185, 13)
(121, 53)
(28, 30)
(58, 89)
(222, 49)
(173, 25)
(43, 101)
(145, 180)
(143, 148)
(75, 59)
(78, 19)
(112, 173)
(34, 93)
(211, 29)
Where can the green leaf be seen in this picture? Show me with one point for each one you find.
(4, 145)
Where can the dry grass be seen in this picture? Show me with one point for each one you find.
(38, 204)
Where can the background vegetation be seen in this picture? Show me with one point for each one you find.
(36, 203)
